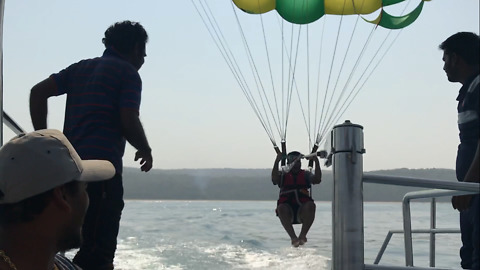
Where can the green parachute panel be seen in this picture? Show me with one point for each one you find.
(388, 21)
(300, 11)
(391, 2)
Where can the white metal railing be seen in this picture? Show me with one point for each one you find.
(391, 232)
(407, 231)
(381, 267)
(347, 205)
(443, 188)
(407, 224)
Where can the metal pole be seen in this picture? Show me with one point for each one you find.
(433, 225)
(347, 212)
(407, 231)
(2, 9)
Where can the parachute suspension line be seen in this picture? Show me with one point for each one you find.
(318, 80)
(324, 113)
(328, 121)
(306, 119)
(285, 112)
(220, 42)
(284, 51)
(325, 123)
(271, 74)
(292, 72)
(286, 98)
(264, 120)
(308, 91)
(334, 118)
(290, 90)
(324, 116)
(356, 64)
(217, 40)
(276, 120)
(373, 69)
(345, 106)
(294, 83)
(247, 92)
(355, 90)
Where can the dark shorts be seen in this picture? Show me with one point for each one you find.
(102, 222)
(294, 201)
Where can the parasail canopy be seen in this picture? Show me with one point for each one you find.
(291, 55)
(307, 11)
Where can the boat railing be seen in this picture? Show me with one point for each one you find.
(10, 123)
(346, 154)
(442, 188)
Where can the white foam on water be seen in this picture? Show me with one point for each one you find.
(171, 255)
(286, 258)
(130, 256)
(237, 236)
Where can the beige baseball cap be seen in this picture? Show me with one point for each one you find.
(41, 160)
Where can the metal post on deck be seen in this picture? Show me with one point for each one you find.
(433, 226)
(347, 204)
(2, 9)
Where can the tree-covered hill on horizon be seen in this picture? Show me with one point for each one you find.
(253, 184)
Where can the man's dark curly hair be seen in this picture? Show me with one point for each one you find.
(465, 45)
(123, 36)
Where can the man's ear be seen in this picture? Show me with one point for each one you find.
(140, 49)
(60, 198)
(454, 59)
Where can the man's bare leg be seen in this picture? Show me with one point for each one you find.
(285, 214)
(307, 214)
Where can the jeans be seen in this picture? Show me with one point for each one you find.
(470, 228)
(469, 219)
(101, 225)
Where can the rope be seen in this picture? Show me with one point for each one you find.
(274, 115)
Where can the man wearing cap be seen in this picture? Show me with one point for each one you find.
(43, 199)
(295, 205)
(102, 113)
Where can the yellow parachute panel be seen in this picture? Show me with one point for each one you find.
(349, 7)
(255, 6)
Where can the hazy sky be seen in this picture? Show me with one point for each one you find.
(193, 109)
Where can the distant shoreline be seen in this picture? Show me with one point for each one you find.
(253, 185)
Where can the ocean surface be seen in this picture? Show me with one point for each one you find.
(222, 235)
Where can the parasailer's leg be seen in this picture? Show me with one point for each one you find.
(307, 215)
(285, 213)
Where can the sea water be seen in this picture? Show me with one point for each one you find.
(247, 235)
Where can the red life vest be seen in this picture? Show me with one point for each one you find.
(294, 189)
(290, 181)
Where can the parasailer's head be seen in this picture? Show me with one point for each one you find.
(461, 56)
(129, 39)
(295, 158)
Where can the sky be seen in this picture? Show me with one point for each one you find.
(194, 111)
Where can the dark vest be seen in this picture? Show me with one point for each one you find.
(299, 181)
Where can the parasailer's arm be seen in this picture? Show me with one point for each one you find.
(317, 177)
(275, 171)
(314, 150)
